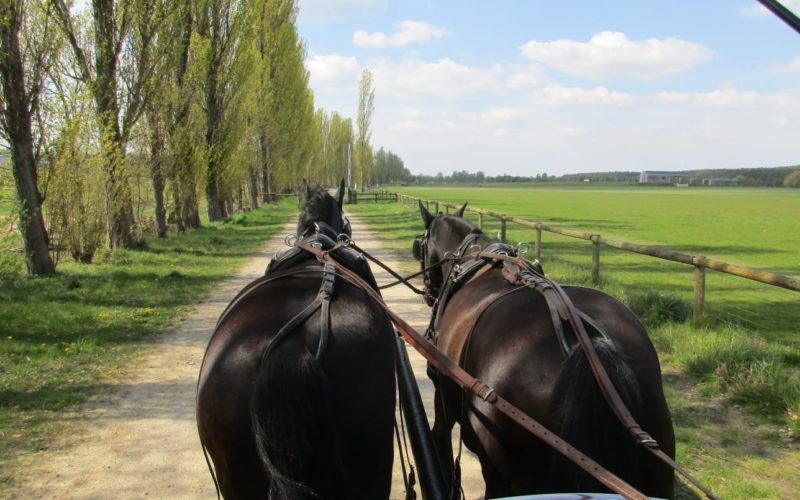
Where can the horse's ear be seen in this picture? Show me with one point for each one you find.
(426, 216)
(340, 193)
(306, 189)
(460, 211)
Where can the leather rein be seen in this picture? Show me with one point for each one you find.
(515, 270)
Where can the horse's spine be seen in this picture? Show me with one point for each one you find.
(584, 419)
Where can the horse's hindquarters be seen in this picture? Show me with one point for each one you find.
(324, 424)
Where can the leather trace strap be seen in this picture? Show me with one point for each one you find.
(470, 384)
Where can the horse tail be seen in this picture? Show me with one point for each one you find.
(585, 420)
(292, 415)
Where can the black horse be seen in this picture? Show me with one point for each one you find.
(296, 394)
(512, 339)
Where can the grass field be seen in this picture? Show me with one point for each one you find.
(733, 379)
(61, 337)
(752, 227)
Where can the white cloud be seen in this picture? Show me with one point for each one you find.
(793, 66)
(500, 115)
(555, 95)
(520, 76)
(324, 11)
(501, 132)
(732, 99)
(407, 32)
(441, 79)
(330, 72)
(610, 54)
(569, 130)
(755, 9)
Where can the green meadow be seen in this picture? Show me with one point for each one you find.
(732, 377)
(757, 228)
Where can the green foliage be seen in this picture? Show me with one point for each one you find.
(792, 180)
(389, 168)
(363, 150)
(655, 308)
(11, 263)
(76, 200)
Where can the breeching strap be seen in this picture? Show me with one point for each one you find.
(469, 383)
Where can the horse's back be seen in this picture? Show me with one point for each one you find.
(513, 348)
(358, 370)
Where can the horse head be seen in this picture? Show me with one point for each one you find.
(321, 210)
(442, 238)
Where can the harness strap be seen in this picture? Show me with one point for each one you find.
(469, 383)
(573, 316)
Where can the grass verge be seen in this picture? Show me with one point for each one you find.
(734, 392)
(60, 337)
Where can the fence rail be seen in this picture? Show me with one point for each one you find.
(699, 262)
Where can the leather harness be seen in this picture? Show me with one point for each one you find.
(522, 271)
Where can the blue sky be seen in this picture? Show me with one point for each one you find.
(565, 86)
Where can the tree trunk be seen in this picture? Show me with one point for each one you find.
(216, 208)
(254, 188)
(266, 189)
(105, 94)
(157, 172)
(17, 122)
(157, 175)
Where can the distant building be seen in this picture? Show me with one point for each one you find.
(655, 177)
(719, 181)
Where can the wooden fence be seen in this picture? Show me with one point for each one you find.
(699, 262)
(355, 197)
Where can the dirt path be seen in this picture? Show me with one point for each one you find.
(141, 440)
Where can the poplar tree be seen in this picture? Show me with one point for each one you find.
(366, 106)
(123, 64)
(286, 118)
(22, 74)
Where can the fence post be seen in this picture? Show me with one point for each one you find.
(436, 206)
(502, 229)
(538, 244)
(595, 238)
(699, 286)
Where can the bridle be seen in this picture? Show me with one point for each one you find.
(466, 249)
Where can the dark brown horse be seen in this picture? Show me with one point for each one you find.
(296, 397)
(505, 335)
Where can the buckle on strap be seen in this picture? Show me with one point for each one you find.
(328, 279)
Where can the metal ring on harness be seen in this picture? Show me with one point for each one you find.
(523, 247)
(290, 240)
(473, 250)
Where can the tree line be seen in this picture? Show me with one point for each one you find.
(128, 116)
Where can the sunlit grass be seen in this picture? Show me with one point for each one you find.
(733, 386)
(60, 337)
